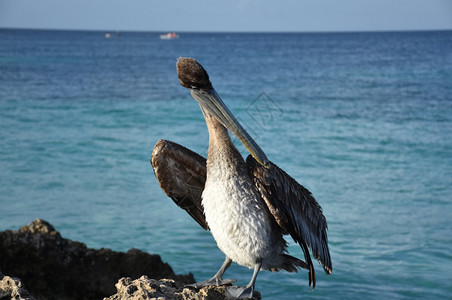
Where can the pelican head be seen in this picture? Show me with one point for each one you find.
(195, 78)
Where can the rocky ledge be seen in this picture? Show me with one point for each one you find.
(56, 268)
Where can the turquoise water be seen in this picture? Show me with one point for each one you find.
(363, 120)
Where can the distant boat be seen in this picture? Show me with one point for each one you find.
(110, 35)
(169, 36)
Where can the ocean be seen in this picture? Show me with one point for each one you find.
(363, 120)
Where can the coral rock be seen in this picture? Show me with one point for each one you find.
(13, 288)
(145, 288)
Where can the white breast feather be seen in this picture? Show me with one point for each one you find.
(237, 219)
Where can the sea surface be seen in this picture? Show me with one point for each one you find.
(363, 120)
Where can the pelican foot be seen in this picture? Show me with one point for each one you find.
(212, 281)
(240, 292)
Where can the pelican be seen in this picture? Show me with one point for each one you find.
(247, 205)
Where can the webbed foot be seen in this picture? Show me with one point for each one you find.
(217, 279)
(241, 292)
(212, 281)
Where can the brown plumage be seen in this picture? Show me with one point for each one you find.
(181, 174)
(192, 75)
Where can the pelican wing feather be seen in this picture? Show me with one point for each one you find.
(181, 174)
(295, 210)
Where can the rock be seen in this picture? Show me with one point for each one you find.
(145, 288)
(13, 288)
(56, 268)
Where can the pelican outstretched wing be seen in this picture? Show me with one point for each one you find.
(181, 174)
(295, 210)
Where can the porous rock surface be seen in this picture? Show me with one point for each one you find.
(145, 288)
(13, 288)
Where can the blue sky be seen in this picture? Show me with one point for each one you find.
(228, 15)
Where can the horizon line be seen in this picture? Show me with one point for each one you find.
(232, 31)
